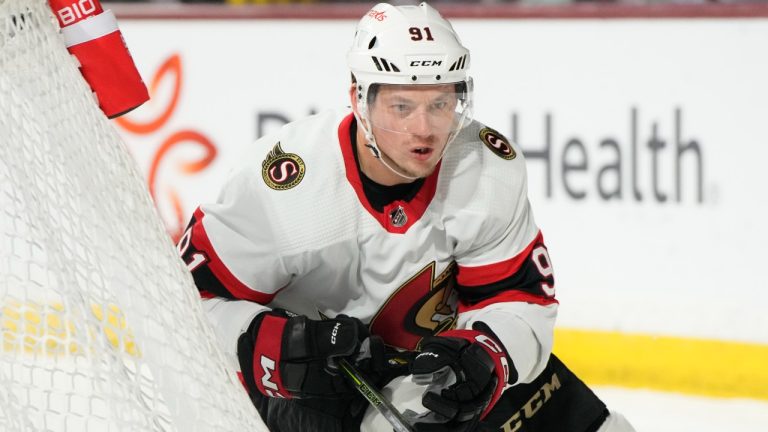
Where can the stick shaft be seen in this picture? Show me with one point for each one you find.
(375, 398)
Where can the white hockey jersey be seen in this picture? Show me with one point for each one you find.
(292, 228)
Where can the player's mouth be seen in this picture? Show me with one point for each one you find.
(422, 153)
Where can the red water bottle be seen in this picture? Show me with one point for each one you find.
(91, 34)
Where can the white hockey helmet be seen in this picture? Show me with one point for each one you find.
(404, 46)
(407, 45)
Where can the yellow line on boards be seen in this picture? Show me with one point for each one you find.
(685, 365)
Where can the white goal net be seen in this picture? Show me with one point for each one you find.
(101, 328)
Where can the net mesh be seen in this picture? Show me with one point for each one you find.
(101, 327)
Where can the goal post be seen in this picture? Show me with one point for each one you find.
(101, 328)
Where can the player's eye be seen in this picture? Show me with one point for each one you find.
(439, 105)
(401, 109)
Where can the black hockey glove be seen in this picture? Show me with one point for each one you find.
(465, 372)
(292, 356)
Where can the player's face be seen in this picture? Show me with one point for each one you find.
(412, 124)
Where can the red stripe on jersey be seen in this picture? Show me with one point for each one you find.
(238, 289)
(508, 296)
(490, 273)
(413, 209)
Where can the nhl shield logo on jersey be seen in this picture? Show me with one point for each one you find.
(282, 170)
(398, 217)
(497, 143)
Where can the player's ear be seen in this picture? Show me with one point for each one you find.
(353, 97)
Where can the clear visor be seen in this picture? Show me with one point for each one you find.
(423, 110)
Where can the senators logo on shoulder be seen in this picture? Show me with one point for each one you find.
(497, 143)
(282, 170)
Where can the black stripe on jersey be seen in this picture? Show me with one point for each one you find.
(526, 279)
(207, 282)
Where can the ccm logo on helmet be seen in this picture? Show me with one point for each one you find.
(417, 63)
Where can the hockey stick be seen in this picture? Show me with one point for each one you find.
(375, 398)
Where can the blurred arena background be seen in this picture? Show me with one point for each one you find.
(643, 123)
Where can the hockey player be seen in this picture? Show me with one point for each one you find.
(398, 236)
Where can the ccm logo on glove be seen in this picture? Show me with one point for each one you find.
(270, 387)
(334, 333)
(428, 354)
(494, 347)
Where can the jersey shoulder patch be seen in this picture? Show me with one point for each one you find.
(281, 170)
(298, 144)
(497, 143)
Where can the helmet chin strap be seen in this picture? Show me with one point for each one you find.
(371, 144)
